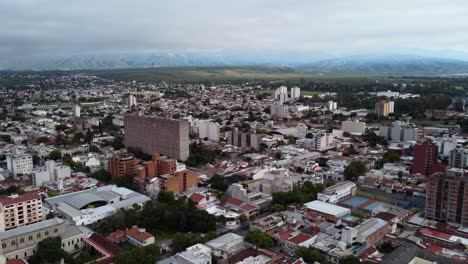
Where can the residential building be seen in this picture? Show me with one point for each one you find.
(337, 192)
(319, 141)
(123, 165)
(135, 236)
(353, 126)
(169, 137)
(159, 165)
(458, 157)
(131, 101)
(447, 197)
(51, 172)
(279, 110)
(332, 106)
(445, 145)
(196, 254)
(281, 94)
(425, 158)
(22, 242)
(19, 163)
(399, 132)
(19, 210)
(208, 130)
(384, 107)
(244, 139)
(77, 111)
(180, 181)
(295, 92)
(225, 246)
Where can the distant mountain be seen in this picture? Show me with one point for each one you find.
(376, 63)
(388, 64)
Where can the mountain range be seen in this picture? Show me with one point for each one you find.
(373, 63)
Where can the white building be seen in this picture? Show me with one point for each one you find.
(295, 92)
(208, 129)
(445, 145)
(77, 111)
(332, 106)
(458, 157)
(399, 132)
(50, 173)
(279, 110)
(354, 126)
(196, 254)
(327, 209)
(19, 163)
(131, 101)
(335, 193)
(281, 94)
(319, 141)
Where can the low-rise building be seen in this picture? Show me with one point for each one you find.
(19, 210)
(20, 163)
(337, 192)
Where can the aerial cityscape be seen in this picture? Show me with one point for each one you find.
(233, 133)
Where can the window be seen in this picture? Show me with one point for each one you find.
(21, 240)
(30, 238)
(55, 230)
(13, 243)
(38, 235)
(4, 245)
(46, 233)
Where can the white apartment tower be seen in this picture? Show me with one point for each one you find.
(208, 129)
(19, 163)
(281, 94)
(132, 101)
(295, 92)
(76, 111)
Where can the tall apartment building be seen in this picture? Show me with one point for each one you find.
(180, 181)
(244, 139)
(425, 158)
(384, 107)
(124, 165)
(19, 210)
(319, 141)
(77, 111)
(295, 92)
(156, 167)
(332, 106)
(458, 157)
(447, 197)
(158, 135)
(399, 132)
(281, 94)
(279, 110)
(19, 163)
(50, 173)
(131, 101)
(208, 129)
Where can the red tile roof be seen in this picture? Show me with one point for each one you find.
(235, 201)
(300, 238)
(21, 198)
(385, 216)
(285, 235)
(434, 233)
(138, 234)
(196, 197)
(248, 207)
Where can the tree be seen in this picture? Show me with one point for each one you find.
(310, 255)
(94, 148)
(277, 208)
(259, 239)
(219, 183)
(101, 175)
(354, 170)
(41, 140)
(350, 260)
(144, 255)
(49, 250)
(36, 159)
(88, 138)
(55, 154)
(166, 197)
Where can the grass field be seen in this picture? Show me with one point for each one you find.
(180, 74)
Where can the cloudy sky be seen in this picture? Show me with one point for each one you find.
(49, 27)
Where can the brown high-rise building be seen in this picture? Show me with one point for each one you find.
(123, 165)
(169, 137)
(180, 181)
(157, 167)
(447, 197)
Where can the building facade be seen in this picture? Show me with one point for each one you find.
(353, 126)
(399, 132)
(424, 158)
(384, 107)
(20, 163)
(447, 197)
(169, 137)
(295, 92)
(458, 157)
(123, 165)
(244, 139)
(19, 210)
(156, 167)
(208, 129)
(178, 182)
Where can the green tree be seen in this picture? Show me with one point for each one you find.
(166, 197)
(218, 182)
(277, 208)
(49, 250)
(259, 239)
(101, 175)
(55, 154)
(354, 170)
(138, 255)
